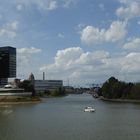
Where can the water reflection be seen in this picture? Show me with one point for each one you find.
(6, 109)
(64, 119)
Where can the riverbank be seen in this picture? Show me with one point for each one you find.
(23, 100)
(120, 100)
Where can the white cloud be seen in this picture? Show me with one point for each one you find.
(76, 64)
(19, 7)
(68, 3)
(101, 6)
(67, 56)
(64, 63)
(7, 33)
(28, 51)
(92, 35)
(52, 5)
(25, 54)
(131, 63)
(93, 58)
(9, 30)
(87, 67)
(130, 9)
(47, 5)
(138, 22)
(40, 4)
(13, 25)
(61, 35)
(81, 26)
(132, 45)
(25, 60)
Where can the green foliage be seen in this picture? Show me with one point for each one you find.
(55, 93)
(47, 92)
(108, 87)
(115, 89)
(58, 92)
(27, 85)
(135, 91)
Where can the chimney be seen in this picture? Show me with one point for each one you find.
(43, 75)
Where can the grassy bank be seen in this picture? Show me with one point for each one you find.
(120, 100)
(19, 100)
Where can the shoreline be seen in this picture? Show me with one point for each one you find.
(16, 103)
(120, 100)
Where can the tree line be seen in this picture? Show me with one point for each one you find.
(115, 89)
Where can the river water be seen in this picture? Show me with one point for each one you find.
(64, 119)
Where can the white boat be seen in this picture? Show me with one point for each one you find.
(89, 109)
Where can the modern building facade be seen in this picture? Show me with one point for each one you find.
(43, 85)
(7, 62)
(3, 81)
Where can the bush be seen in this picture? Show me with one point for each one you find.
(113, 88)
(135, 91)
(58, 92)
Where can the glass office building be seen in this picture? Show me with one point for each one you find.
(7, 62)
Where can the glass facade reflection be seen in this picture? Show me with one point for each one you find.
(7, 62)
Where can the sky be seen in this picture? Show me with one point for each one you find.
(78, 41)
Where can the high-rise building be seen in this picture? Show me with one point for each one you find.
(7, 62)
(3, 81)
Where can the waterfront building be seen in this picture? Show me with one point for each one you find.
(32, 79)
(45, 85)
(3, 81)
(7, 63)
(12, 92)
(16, 82)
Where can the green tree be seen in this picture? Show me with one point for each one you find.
(107, 88)
(135, 91)
(26, 85)
(113, 88)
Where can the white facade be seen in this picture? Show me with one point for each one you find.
(43, 85)
(13, 92)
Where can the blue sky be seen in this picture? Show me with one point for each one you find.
(85, 41)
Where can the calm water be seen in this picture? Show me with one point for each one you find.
(64, 119)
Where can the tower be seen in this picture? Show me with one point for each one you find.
(32, 79)
(7, 63)
(43, 75)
